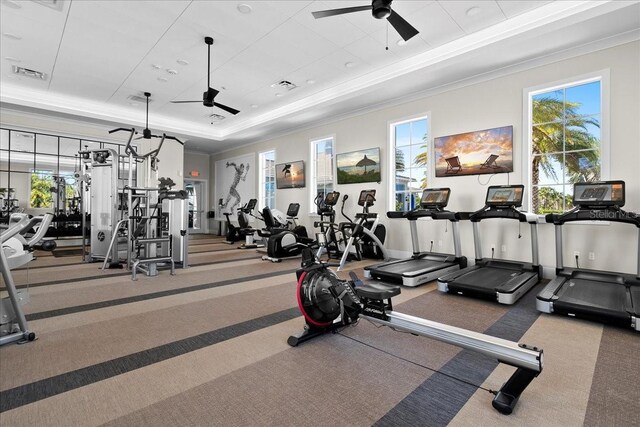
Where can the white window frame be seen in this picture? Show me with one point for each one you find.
(262, 177)
(313, 185)
(391, 137)
(605, 157)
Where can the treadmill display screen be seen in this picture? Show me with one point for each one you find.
(368, 197)
(435, 198)
(505, 195)
(607, 193)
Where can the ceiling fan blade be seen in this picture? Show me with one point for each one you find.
(334, 12)
(186, 102)
(403, 28)
(227, 109)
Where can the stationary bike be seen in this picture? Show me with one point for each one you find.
(330, 304)
(284, 242)
(239, 232)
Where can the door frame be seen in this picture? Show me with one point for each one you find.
(205, 204)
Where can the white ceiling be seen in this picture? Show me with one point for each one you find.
(98, 53)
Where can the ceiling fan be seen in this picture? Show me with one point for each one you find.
(146, 133)
(209, 95)
(380, 9)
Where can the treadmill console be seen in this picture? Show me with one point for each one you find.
(367, 197)
(435, 198)
(598, 194)
(505, 196)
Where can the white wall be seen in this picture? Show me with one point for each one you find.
(488, 104)
(194, 161)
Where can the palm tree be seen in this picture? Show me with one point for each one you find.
(41, 191)
(422, 160)
(558, 128)
(399, 160)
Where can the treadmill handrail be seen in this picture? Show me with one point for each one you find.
(489, 212)
(613, 214)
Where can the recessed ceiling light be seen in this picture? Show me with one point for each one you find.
(349, 64)
(12, 59)
(172, 71)
(244, 8)
(182, 62)
(156, 66)
(12, 36)
(254, 105)
(163, 79)
(278, 95)
(11, 4)
(310, 81)
(472, 11)
(401, 42)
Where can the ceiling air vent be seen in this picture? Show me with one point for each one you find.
(285, 84)
(138, 99)
(216, 118)
(53, 4)
(21, 71)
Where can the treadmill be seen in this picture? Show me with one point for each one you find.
(422, 267)
(497, 279)
(602, 296)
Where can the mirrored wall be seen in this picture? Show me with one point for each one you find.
(37, 171)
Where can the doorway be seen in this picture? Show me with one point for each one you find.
(196, 190)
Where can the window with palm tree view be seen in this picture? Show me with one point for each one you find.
(565, 143)
(410, 141)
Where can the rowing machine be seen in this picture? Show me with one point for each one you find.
(329, 304)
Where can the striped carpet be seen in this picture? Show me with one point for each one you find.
(208, 347)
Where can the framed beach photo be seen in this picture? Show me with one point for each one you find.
(358, 166)
(290, 175)
(486, 151)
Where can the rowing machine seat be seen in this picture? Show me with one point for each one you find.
(377, 292)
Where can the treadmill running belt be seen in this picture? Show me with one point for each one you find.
(608, 297)
(418, 265)
(486, 278)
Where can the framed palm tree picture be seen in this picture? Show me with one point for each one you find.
(480, 152)
(358, 166)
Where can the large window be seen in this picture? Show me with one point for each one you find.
(267, 191)
(565, 142)
(322, 151)
(409, 165)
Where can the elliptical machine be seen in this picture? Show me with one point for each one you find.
(329, 304)
(327, 238)
(16, 251)
(365, 234)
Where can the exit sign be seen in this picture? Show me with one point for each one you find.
(194, 173)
